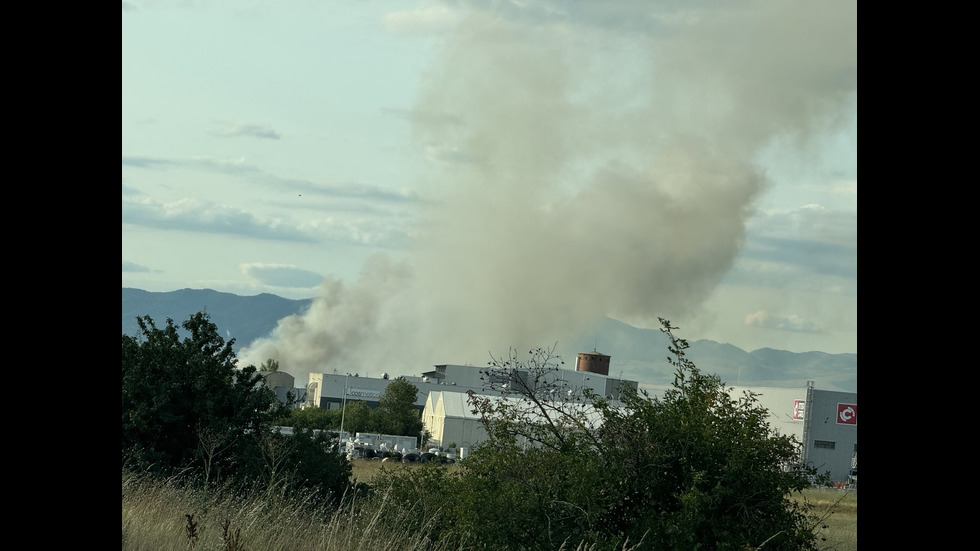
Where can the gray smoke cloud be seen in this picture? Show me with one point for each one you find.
(594, 166)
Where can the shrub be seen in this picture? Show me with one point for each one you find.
(695, 469)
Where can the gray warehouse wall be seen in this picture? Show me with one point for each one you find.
(830, 433)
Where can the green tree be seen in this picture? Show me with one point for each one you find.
(357, 417)
(303, 463)
(694, 469)
(396, 412)
(269, 366)
(700, 467)
(311, 418)
(541, 465)
(176, 390)
(188, 410)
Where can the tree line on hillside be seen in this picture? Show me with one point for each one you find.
(693, 469)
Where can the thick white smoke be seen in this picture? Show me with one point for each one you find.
(586, 165)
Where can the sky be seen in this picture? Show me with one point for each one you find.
(449, 180)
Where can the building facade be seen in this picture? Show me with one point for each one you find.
(830, 433)
(330, 390)
(823, 422)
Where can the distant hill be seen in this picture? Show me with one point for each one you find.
(244, 318)
(637, 354)
(641, 355)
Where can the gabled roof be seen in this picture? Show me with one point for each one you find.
(453, 404)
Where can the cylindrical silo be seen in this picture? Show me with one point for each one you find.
(279, 379)
(593, 362)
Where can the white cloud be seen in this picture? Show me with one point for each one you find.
(281, 275)
(421, 21)
(790, 322)
(241, 129)
(808, 224)
(193, 215)
(847, 188)
(133, 267)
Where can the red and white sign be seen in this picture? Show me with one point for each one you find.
(798, 408)
(847, 414)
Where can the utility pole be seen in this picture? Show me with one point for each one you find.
(343, 409)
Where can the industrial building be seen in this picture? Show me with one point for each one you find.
(330, 390)
(283, 383)
(824, 422)
(830, 433)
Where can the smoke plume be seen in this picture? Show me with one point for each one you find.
(590, 163)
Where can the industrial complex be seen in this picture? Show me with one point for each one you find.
(825, 422)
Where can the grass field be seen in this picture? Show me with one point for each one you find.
(364, 470)
(160, 515)
(838, 509)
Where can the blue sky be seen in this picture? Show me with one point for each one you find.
(490, 174)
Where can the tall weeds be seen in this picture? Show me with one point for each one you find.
(168, 515)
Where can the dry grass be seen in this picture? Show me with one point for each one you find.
(837, 530)
(165, 516)
(364, 470)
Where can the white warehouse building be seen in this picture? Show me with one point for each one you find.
(330, 390)
(824, 422)
(450, 420)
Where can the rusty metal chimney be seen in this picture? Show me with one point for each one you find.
(593, 362)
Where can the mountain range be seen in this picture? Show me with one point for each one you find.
(636, 353)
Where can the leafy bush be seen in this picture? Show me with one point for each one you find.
(189, 412)
(695, 469)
